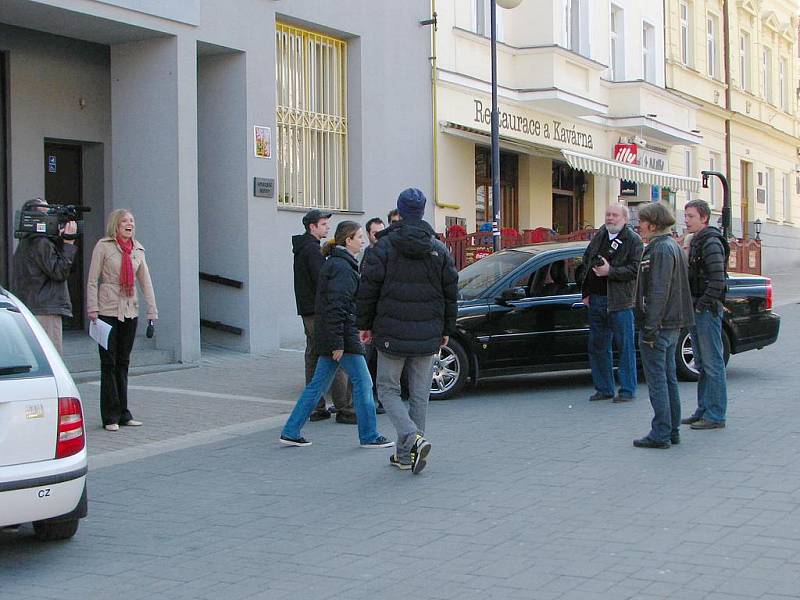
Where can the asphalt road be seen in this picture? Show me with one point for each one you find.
(531, 492)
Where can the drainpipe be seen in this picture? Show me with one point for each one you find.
(727, 215)
(435, 140)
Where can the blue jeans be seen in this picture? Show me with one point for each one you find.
(658, 362)
(605, 326)
(356, 367)
(709, 359)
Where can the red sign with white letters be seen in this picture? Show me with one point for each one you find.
(626, 153)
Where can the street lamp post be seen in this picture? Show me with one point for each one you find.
(496, 203)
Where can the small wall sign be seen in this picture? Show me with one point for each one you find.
(51, 163)
(263, 187)
(262, 140)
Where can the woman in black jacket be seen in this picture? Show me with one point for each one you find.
(336, 340)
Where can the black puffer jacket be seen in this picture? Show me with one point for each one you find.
(335, 307)
(308, 261)
(708, 257)
(41, 269)
(409, 290)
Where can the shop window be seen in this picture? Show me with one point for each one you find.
(568, 186)
(311, 119)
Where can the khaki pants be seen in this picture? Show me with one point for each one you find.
(52, 325)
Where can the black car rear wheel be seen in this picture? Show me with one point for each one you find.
(450, 371)
(684, 356)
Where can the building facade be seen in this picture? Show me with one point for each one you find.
(585, 117)
(738, 60)
(218, 124)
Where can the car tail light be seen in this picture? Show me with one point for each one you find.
(71, 437)
(768, 303)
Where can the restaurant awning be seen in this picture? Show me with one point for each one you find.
(618, 170)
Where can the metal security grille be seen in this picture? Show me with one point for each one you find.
(312, 119)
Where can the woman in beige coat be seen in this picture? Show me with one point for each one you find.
(117, 260)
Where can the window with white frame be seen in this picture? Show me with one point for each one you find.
(744, 60)
(769, 192)
(783, 84)
(572, 25)
(311, 90)
(712, 28)
(617, 43)
(482, 19)
(714, 185)
(766, 73)
(688, 167)
(648, 52)
(686, 33)
(787, 197)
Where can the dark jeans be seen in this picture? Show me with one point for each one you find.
(114, 364)
(658, 362)
(605, 326)
(339, 388)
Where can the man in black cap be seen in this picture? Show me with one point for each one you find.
(308, 261)
(407, 305)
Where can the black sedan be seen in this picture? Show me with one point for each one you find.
(520, 311)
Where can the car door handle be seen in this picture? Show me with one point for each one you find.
(578, 306)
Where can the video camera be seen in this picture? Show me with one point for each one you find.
(49, 221)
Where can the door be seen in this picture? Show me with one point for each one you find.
(549, 326)
(63, 185)
(746, 177)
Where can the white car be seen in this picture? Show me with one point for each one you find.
(43, 462)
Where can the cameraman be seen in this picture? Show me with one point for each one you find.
(608, 289)
(42, 265)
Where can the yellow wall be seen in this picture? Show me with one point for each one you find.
(456, 163)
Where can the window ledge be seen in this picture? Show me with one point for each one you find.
(773, 221)
(305, 209)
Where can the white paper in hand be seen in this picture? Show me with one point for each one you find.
(99, 332)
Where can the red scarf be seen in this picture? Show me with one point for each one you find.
(126, 270)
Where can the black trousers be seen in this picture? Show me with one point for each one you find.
(114, 364)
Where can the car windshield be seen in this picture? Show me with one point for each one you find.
(476, 278)
(21, 356)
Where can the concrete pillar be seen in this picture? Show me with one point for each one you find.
(154, 157)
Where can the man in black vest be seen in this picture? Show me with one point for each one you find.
(611, 262)
(708, 255)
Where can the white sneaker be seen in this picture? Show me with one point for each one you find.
(111, 427)
(132, 423)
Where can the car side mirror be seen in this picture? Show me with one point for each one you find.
(511, 294)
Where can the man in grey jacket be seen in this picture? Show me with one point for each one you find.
(610, 263)
(42, 265)
(663, 308)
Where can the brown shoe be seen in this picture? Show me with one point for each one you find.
(319, 415)
(703, 424)
(346, 418)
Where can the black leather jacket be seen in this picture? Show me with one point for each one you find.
(41, 268)
(621, 280)
(663, 299)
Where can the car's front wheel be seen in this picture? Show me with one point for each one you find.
(450, 371)
(49, 531)
(684, 356)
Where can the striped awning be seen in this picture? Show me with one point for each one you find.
(618, 170)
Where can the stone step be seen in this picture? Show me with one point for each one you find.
(81, 356)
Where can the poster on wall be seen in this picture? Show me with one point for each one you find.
(262, 139)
